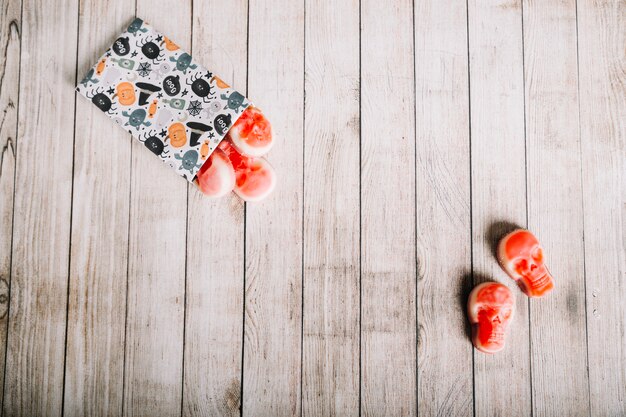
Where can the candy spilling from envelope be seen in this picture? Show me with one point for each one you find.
(240, 168)
(205, 130)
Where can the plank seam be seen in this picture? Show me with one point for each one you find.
(303, 205)
(130, 181)
(360, 214)
(530, 337)
(182, 382)
(130, 187)
(469, 134)
(417, 411)
(582, 203)
(245, 231)
(69, 255)
(15, 150)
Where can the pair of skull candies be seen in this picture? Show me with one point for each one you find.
(491, 305)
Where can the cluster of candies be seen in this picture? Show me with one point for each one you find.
(237, 164)
(491, 305)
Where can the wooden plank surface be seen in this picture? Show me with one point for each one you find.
(94, 363)
(273, 276)
(42, 210)
(498, 199)
(388, 267)
(10, 28)
(429, 130)
(215, 251)
(443, 208)
(602, 84)
(156, 259)
(330, 361)
(558, 345)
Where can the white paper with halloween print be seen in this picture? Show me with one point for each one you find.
(176, 107)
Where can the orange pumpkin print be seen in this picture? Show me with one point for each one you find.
(100, 66)
(153, 108)
(125, 93)
(178, 136)
(169, 45)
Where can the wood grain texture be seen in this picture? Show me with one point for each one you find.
(430, 129)
(273, 319)
(502, 381)
(388, 267)
(558, 345)
(443, 208)
(602, 83)
(156, 258)
(10, 28)
(41, 233)
(330, 363)
(215, 251)
(94, 363)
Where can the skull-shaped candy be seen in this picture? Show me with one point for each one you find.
(490, 308)
(521, 256)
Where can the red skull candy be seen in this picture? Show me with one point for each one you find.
(520, 254)
(236, 164)
(255, 177)
(216, 177)
(490, 308)
(251, 134)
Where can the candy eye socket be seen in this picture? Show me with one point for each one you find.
(520, 265)
(485, 313)
(537, 254)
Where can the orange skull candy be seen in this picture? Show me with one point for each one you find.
(490, 308)
(125, 93)
(520, 254)
(177, 135)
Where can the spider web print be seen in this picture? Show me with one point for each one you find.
(144, 69)
(195, 107)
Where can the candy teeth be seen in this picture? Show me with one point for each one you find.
(540, 282)
(216, 178)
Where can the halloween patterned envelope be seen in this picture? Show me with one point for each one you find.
(177, 108)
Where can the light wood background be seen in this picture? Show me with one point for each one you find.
(411, 136)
